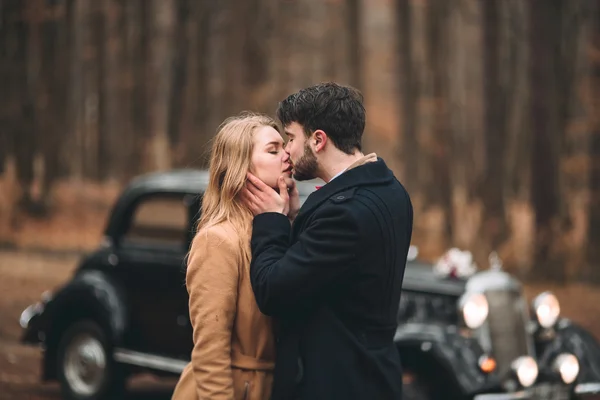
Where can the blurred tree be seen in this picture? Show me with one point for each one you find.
(134, 91)
(27, 38)
(112, 150)
(353, 21)
(161, 29)
(91, 88)
(465, 93)
(555, 43)
(195, 99)
(408, 148)
(75, 115)
(54, 75)
(493, 227)
(8, 106)
(591, 270)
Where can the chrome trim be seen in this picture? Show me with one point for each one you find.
(28, 313)
(449, 289)
(153, 361)
(503, 396)
(492, 280)
(588, 388)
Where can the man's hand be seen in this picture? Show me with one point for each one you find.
(260, 198)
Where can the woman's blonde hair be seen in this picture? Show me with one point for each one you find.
(230, 160)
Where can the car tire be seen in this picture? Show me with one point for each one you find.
(85, 366)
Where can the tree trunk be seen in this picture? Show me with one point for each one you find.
(54, 131)
(466, 117)
(12, 58)
(5, 99)
(493, 227)
(573, 122)
(407, 151)
(26, 143)
(284, 44)
(439, 194)
(112, 156)
(161, 34)
(423, 97)
(591, 272)
(234, 91)
(92, 141)
(216, 58)
(179, 77)
(257, 54)
(353, 21)
(513, 81)
(133, 91)
(544, 152)
(552, 82)
(195, 134)
(76, 12)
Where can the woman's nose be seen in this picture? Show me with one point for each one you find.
(286, 155)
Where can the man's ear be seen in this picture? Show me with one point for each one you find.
(320, 140)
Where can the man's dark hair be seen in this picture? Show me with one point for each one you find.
(335, 109)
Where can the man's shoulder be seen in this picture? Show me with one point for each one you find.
(343, 196)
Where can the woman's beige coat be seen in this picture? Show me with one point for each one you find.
(234, 348)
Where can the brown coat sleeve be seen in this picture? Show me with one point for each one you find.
(212, 281)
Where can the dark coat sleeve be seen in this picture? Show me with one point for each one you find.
(289, 279)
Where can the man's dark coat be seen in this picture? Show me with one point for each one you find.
(332, 282)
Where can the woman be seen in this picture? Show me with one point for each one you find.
(234, 349)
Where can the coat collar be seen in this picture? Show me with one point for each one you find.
(361, 173)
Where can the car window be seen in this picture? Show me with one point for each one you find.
(159, 220)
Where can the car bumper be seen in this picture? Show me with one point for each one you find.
(544, 392)
(587, 388)
(29, 321)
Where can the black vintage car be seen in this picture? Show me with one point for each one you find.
(125, 310)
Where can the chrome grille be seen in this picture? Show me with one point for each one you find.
(507, 325)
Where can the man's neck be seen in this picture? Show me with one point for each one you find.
(338, 164)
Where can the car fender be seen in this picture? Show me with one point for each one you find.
(90, 294)
(572, 338)
(444, 354)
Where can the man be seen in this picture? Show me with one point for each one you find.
(332, 280)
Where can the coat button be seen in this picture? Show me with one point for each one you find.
(340, 198)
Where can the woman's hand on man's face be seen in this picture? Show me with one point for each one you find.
(260, 198)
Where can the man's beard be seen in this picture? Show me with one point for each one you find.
(306, 167)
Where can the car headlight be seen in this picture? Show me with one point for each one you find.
(567, 366)
(474, 309)
(547, 309)
(526, 370)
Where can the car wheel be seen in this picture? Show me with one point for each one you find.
(86, 369)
